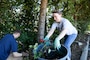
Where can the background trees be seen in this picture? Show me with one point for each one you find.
(26, 16)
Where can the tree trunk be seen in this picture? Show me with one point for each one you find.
(42, 19)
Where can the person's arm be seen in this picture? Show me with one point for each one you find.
(66, 27)
(62, 34)
(50, 32)
(16, 54)
(54, 25)
(57, 44)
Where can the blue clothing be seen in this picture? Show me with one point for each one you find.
(7, 44)
(69, 39)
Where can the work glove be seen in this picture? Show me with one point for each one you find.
(25, 54)
(57, 44)
(46, 40)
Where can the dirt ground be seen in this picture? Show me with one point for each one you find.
(77, 48)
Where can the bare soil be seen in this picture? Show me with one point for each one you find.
(77, 49)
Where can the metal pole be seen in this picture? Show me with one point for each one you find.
(85, 51)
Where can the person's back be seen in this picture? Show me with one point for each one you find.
(7, 45)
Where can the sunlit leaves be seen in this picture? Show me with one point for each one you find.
(24, 15)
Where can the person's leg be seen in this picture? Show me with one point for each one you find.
(68, 41)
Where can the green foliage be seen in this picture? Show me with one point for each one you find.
(20, 14)
(78, 12)
(24, 15)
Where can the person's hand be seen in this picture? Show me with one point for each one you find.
(46, 39)
(25, 54)
(47, 43)
(57, 44)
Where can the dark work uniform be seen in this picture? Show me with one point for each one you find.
(7, 44)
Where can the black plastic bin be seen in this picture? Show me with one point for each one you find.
(60, 54)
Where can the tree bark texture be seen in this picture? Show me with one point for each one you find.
(42, 19)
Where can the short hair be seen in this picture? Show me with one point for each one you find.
(58, 11)
(17, 31)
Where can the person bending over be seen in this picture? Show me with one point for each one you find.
(9, 45)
